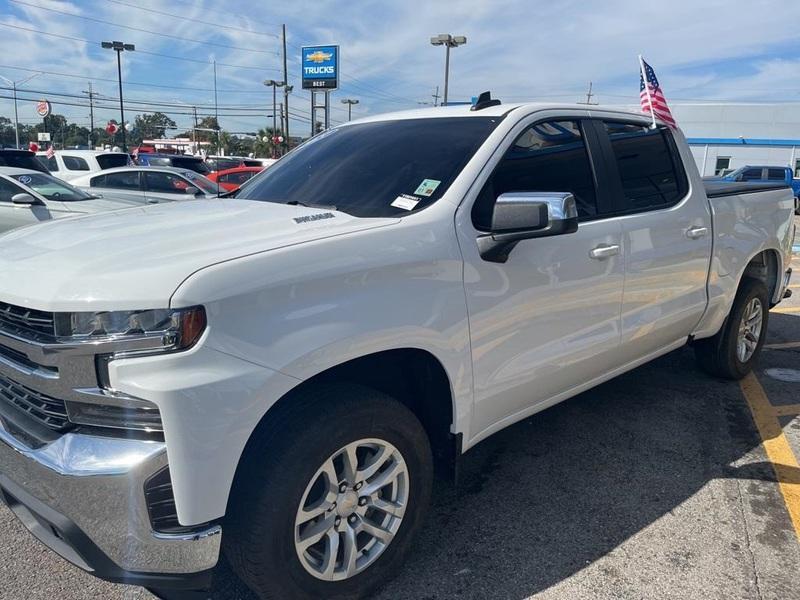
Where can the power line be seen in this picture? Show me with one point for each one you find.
(166, 35)
(216, 25)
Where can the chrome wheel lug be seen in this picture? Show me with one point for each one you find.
(352, 519)
(342, 488)
(358, 486)
(363, 501)
(337, 521)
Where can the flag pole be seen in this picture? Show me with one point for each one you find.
(647, 91)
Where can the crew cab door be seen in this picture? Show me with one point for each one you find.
(666, 226)
(122, 184)
(546, 320)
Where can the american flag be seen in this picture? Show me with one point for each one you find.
(651, 97)
(51, 152)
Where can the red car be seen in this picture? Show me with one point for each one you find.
(231, 179)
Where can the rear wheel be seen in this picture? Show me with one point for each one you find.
(330, 496)
(732, 352)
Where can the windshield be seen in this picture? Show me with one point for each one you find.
(52, 188)
(201, 182)
(381, 169)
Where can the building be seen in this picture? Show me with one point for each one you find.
(724, 136)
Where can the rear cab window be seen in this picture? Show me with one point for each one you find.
(649, 168)
(109, 161)
(776, 174)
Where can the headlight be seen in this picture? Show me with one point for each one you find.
(167, 329)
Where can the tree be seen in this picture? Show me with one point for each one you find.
(150, 126)
(6, 132)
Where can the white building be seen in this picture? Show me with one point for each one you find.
(729, 135)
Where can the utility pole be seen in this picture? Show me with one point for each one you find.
(14, 85)
(216, 106)
(275, 85)
(90, 93)
(286, 89)
(436, 97)
(589, 96)
(194, 131)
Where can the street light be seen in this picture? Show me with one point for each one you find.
(275, 85)
(448, 41)
(349, 103)
(14, 85)
(118, 47)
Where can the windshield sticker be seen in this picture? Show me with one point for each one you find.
(314, 217)
(25, 179)
(405, 202)
(427, 187)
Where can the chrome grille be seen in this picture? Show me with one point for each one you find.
(44, 409)
(16, 319)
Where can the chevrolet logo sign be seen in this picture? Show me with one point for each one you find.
(319, 56)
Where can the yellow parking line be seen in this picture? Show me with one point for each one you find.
(787, 410)
(777, 448)
(787, 310)
(782, 346)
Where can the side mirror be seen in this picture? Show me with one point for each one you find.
(192, 191)
(739, 177)
(521, 216)
(24, 198)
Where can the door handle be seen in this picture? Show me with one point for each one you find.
(603, 251)
(694, 233)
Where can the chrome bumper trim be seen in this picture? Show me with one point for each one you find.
(98, 484)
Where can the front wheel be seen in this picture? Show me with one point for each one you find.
(732, 352)
(331, 495)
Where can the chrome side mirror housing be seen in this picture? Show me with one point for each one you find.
(518, 216)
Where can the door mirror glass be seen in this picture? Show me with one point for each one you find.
(24, 198)
(518, 216)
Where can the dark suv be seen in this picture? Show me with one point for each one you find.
(21, 159)
(181, 161)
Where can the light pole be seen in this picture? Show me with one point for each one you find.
(14, 85)
(275, 85)
(119, 47)
(349, 102)
(448, 41)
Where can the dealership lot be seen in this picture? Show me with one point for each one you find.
(655, 484)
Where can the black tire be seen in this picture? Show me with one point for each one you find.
(717, 355)
(279, 463)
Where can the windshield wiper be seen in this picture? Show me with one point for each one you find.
(311, 205)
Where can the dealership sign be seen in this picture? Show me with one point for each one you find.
(320, 66)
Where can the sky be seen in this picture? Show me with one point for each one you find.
(536, 50)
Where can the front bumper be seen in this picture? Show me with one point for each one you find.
(83, 496)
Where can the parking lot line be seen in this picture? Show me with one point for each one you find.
(780, 454)
(782, 346)
(787, 310)
(787, 410)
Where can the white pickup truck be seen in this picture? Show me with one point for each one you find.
(274, 376)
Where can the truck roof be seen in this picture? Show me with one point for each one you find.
(463, 110)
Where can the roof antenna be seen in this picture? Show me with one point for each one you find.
(485, 101)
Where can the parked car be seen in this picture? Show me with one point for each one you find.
(287, 366)
(767, 173)
(223, 163)
(21, 159)
(70, 164)
(231, 179)
(179, 161)
(150, 184)
(28, 196)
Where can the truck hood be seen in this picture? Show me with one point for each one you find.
(136, 258)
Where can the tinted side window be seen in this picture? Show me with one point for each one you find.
(165, 182)
(751, 175)
(776, 174)
(109, 161)
(547, 157)
(52, 164)
(128, 180)
(8, 190)
(649, 167)
(75, 163)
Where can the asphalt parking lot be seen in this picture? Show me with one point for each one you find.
(660, 484)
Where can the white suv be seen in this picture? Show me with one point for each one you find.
(69, 164)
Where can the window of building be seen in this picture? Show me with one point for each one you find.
(797, 168)
(649, 168)
(723, 164)
(547, 157)
(75, 163)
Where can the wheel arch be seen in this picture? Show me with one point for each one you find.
(765, 266)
